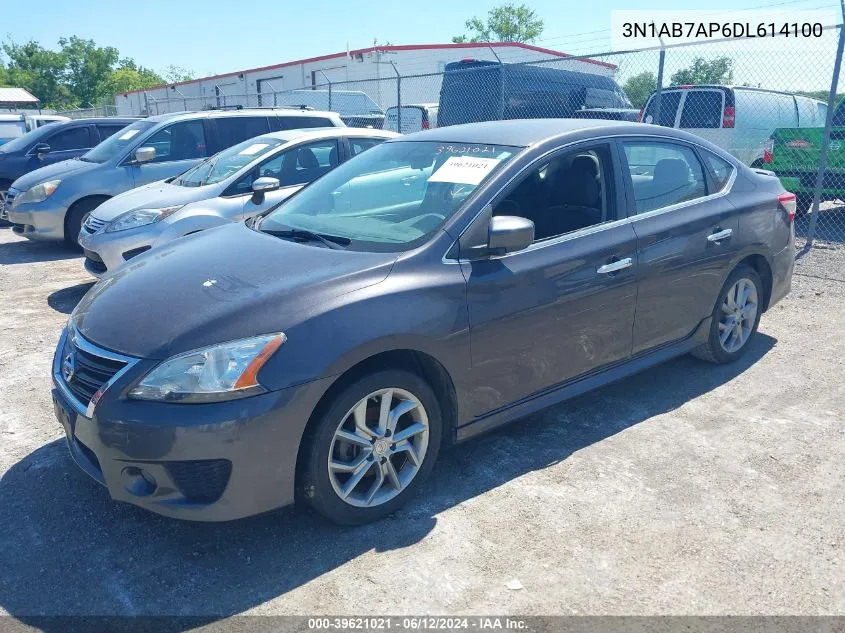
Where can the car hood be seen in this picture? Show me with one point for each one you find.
(54, 171)
(222, 284)
(152, 196)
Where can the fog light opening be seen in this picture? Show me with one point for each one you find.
(138, 481)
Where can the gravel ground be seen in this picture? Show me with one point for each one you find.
(688, 489)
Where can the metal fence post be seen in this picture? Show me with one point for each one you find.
(660, 64)
(831, 104)
(501, 95)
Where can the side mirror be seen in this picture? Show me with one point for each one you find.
(508, 234)
(261, 186)
(41, 149)
(145, 154)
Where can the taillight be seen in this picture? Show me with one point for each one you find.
(789, 203)
(768, 150)
(728, 117)
(425, 124)
(640, 115)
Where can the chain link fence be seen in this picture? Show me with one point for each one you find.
(770, 102)
(106, 110)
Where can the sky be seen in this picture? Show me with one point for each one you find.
(216, 36)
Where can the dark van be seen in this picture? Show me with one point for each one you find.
(479, 90)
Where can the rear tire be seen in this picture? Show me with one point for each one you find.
(355, 467)
(76, 216)
(735, 317)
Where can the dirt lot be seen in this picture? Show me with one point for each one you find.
(689, 489)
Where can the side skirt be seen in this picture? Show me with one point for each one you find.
(565, 391)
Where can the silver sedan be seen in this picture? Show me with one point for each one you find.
(233, 185)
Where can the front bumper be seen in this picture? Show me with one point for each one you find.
(113, 249)
(201, 462)
(39, 221)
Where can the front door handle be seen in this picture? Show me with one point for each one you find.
(612, 267)
(718, 236)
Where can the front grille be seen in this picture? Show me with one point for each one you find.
(201, 481)
(84, 371)
(92, 224)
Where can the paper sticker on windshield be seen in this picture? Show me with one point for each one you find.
(128, 134)
(466, 170)
(253, 149)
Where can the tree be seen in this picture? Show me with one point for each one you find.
(174, 74)
(505, 23)
(129, 76)
(715, 71)
(639, 87)
(87, 68)
(38, 70)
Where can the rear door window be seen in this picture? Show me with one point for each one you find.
(233, 130)
(107, 130)
(299, 122)
(74, 138)
(720, 169)
(702, 109)
(663, 174)
(669, 101)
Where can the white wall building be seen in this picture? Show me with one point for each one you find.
(370, 70)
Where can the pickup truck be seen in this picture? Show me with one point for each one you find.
(794, 153)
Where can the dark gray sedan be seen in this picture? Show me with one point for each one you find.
(434, 287)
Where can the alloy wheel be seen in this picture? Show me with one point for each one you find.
(378, 447)
(739, 313)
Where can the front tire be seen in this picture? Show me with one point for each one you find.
(735, 317)
(76, 216)
(372, 448)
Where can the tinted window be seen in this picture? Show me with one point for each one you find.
(720, 169)
(299, 122)
(231, 131)
(108, 130)
(180, 141)
(74, 138)
(227, 163)
(702, 109)
(564, 195)
(663, 174)
(669, 101)
(297, 166)
(358, 145)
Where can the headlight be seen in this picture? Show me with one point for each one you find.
(140, 217)
(38, 193)
(211, 374)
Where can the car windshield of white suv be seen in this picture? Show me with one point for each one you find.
(11, 129)
(117, 143)
(227, 163)
(390, 198)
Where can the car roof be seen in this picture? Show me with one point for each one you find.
(316, 133)
(529, 132)
(213, 114)
(100, 119)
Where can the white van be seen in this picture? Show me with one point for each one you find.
(738, 119)
(415, 117)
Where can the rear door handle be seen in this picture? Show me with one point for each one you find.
(612, 267)
(718, 236)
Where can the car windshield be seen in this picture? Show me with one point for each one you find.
(391, 197)
(11, 129)
(228, 162)
(22, 141)
(117, 143)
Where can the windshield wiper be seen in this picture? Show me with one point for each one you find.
(331, 241)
